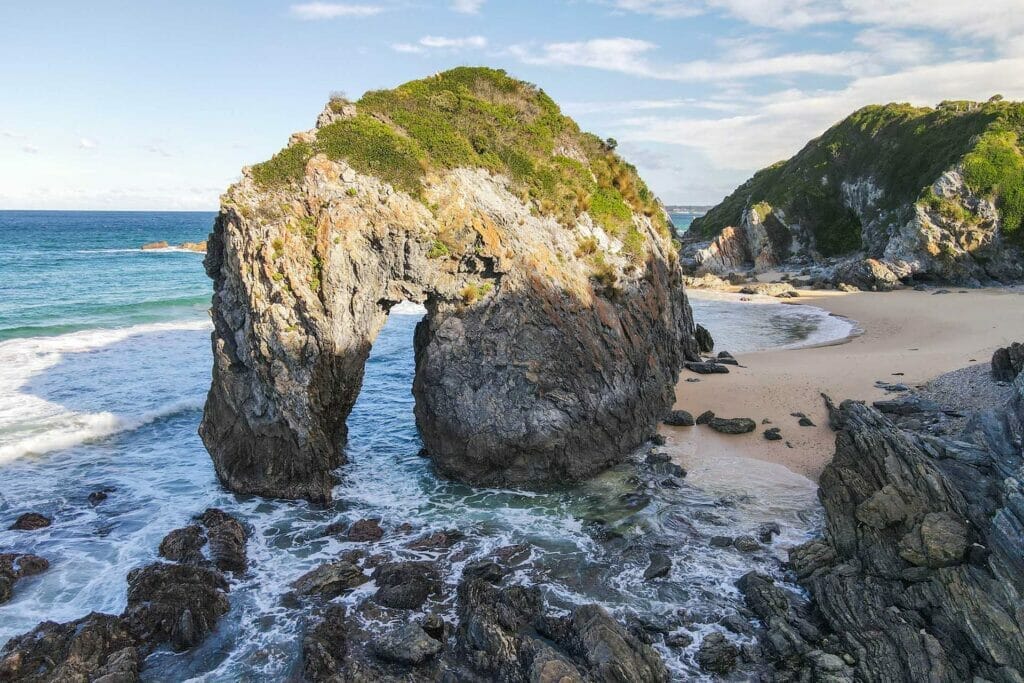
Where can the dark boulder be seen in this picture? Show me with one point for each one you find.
(705, 342)
(707, 368)
(1008, 362)
(705, 417)
(732, 425)
(184, 545)
(177, 604)
(773, 434)
(679, 418)
(407, 644)
(330, 580)
(227, 538)
(15, 566)
(31, 521)
(406, 585)
(717, 654)
(660, 566)
(364, 530)
(437, 540)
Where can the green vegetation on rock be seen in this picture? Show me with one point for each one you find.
(903, 150)
(480, 118)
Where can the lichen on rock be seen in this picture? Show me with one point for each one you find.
(557, 320)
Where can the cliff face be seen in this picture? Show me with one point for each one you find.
(556, 323)
(927, 192)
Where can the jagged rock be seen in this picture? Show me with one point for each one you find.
(408, 644)
(406, 585)
(162, 244)
(184, 545)
(717, 654)
(177, 604)
(679, 418)
(227, 538)
(805, 422)
(746, 544)
(1008, 362)
(324, 646)
(30, 521)
(707, 368)
(705, 342)
(97, 497)
(907, 405)
(549, 351)
(97, 648)
(920, 573)
(767, 531)
(14, 566)
(660, 565)
(365, 530)
(732, 425)
(330, 580)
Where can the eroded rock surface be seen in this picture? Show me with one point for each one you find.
(919, 575)
(551, 344)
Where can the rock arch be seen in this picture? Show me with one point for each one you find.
(528, 370)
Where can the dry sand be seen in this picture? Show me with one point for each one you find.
(907, 337)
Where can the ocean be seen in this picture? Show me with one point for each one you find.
(104, 367)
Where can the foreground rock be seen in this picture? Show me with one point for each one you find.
(732, 425)
(1008, 362)
(553, 337)
(920, 574)
(168, 604)
(504, 633)
(852, 202)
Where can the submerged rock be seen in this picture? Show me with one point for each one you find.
(14, 566)
(553, 336)
(177, 604)
(661, 565)
(330, 580)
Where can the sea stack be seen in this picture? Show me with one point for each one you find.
(557, 320)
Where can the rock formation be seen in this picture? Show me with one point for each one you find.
(920, 574)
(920, 192)
(176, 604)
(557, 321)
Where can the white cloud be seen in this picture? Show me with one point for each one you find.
(158, 150)
(11, 134)
(776, 126)
(630, 56)
(467, 6)
(86, 143)
(30, 149)
(441, 43)
(313, 11)
(625, 106)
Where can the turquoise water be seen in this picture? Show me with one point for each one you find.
(104, 366)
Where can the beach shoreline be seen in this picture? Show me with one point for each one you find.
(903, 337)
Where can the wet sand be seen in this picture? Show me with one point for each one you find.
(906, 337)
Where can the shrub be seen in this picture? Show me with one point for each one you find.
(587, 246)
(438, 249)
(287, 166)
(473, 292)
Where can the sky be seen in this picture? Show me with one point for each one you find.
(136, 105)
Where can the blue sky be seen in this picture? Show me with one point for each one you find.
(157, 105)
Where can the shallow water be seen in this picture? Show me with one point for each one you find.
(118, 408)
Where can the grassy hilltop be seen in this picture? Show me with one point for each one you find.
(483, 118)
(904, 149)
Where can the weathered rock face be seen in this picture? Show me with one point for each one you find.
(920, 573)
(547, 354)
(923, 193)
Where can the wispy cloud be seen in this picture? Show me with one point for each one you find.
(315, 11)
(30, 149)
(12, 135)
(467, 6)
(630, 106)
(631, 56)
(86, 143)
(441, 43)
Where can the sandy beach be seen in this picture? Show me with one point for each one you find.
(906, 336)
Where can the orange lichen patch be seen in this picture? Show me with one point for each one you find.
(485, 227)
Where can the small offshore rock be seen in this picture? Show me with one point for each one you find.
(773, 434)
(227, 538)
(767, 531)
(660, 566)
(31, 521)
(162, 244)
(437, 540)
(330, 580)
(721, 541)
(746, 544)
(717, 654)
(732, 425)
(365, 530)
(706, 368)
(174, 603)
(705, 417)
(680, 639)
(97, 497)
(679, 418)
(14, 566)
